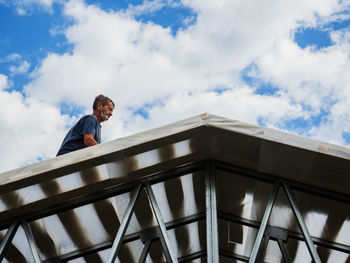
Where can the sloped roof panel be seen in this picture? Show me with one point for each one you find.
(76, 202)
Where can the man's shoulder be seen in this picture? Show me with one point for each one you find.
(90, 121)
(86, 121)
(89, 117)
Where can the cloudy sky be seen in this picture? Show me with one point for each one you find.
(279, 64)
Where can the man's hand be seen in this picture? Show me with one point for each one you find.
(89, 139)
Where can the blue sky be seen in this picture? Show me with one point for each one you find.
(283, 66)
(31, 36)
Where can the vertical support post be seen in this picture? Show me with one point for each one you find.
(211, 214)
(283, 251)
(124, 224)
(10, 233)
(31, 242)
(168, 250)
(263, 248)
(263, 224)
(145, 251)
(302, 225)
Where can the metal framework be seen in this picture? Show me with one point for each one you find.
(31, 241)
(8, 239)
(266, 232)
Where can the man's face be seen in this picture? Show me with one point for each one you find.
(106, 111)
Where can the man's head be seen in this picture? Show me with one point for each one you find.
(103, 108)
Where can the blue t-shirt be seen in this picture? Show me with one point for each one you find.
(74, 139)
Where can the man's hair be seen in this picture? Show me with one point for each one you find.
(101, 99)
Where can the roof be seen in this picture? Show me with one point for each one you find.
(77, 201)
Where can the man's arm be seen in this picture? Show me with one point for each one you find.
(89, 139)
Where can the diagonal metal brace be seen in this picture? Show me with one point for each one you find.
(8, 239)
(124, 224)
(168, 250)
(31, 241)
(302, 225)
(263, 224)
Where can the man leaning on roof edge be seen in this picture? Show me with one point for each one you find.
(87, 131)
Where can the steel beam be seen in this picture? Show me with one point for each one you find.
(345, 198)
(145, 251)
(263, 224)
(193, 256)
(168, 250)
(262, 250)
(88, 194)
(124, 224)
(230, 254)
(195, 218)
(31, 241)
(291, 234)
(211, 214)
(127, 238)
(108, 192)
(302, 225)
(8, 239)
(284, 252)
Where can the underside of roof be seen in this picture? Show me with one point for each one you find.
(205, 189)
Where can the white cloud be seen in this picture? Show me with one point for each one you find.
(25, 7)
(240, 104)
(21, 69)
(318, 79)
(3, 82)
(13, 57)
(30, 129)
(171, 77)
(146, 7)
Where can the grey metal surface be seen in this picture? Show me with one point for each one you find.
(262, 250)
(283, 251)
(302, 225)
(263, 225)
(145, 251)
(31, 242)
(6, 241)
(124, 224)
(76, 203)
(166, 243)
(211, 214)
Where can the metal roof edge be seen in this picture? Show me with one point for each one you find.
(204, 119)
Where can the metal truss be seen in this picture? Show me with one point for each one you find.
(212, 252)
(5, 243)
(31, 241)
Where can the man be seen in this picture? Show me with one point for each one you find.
(87, 132)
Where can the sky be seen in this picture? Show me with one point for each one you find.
(278, 64)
